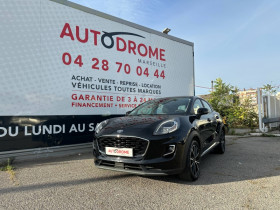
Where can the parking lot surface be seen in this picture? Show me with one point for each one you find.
(247, 176)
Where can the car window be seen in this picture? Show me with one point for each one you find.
(159, 109)
(146, 110)
(197, 104)
(206, 105)
(163, 107)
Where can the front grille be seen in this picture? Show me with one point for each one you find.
(138, 145)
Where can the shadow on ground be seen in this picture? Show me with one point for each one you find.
(245, 159)
(19, 189)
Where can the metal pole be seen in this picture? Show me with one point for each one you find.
(269, 108)
(260, 111)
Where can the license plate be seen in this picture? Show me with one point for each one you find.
(126, 152)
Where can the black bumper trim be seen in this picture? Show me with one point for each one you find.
(135, 169)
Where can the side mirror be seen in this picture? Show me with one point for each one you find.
(127, 113)
(202, 111)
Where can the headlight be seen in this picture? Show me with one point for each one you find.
(100, 126)
(167, 127)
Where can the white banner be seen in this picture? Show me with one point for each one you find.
(58, 60)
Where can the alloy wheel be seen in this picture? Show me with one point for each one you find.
(194, 160)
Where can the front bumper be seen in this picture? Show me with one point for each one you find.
(153, 163)
(135, 168)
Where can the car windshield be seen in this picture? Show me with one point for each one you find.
(166, 106)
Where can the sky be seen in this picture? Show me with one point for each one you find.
(236, 40)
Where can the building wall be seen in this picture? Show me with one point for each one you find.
(250, 94)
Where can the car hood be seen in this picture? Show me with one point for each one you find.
(133, 125)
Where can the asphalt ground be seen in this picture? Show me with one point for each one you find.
(247, 176)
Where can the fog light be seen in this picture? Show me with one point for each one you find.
(170, 150)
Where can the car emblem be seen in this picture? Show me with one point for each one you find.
(119, 131)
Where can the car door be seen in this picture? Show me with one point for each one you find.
(201, 123)
(212, 123)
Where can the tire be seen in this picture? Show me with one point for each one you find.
(221, 148)
(191, 171)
